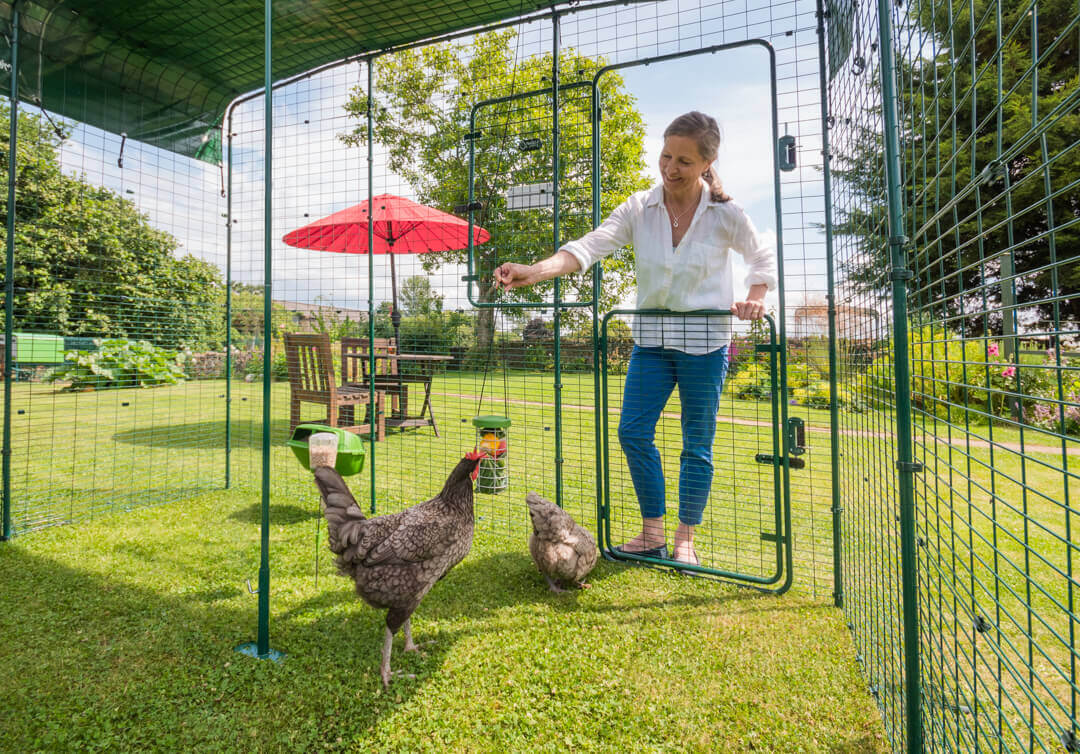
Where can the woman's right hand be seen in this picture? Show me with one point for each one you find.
(510, 275)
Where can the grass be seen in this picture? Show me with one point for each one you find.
(683, 656)
(119, 635)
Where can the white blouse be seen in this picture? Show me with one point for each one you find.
(696, 274)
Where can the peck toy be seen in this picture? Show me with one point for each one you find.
(491, 440)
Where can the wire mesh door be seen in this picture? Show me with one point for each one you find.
(733, 488)
(520, 190)
(723, 444)
(530, 188)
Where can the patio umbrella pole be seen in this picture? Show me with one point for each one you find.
(395, 315)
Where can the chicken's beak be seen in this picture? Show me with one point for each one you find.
(475, 455)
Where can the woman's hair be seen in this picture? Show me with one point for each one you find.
(704, 130)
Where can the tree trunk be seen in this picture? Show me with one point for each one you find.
(485, 318)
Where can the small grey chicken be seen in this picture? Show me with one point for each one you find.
(561, 549)
(397, 558)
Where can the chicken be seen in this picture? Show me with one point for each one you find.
(561, 549)
(396, 559)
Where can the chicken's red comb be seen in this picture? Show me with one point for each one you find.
(474, 455)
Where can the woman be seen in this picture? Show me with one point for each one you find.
(681, 231)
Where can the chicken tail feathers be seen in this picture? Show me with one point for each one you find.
(343, 515)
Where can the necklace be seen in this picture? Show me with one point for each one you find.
(675, 218)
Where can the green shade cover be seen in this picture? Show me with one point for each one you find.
(164, 73)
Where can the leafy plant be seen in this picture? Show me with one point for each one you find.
(121, 363)
(279, 366)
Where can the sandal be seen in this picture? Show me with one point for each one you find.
(695, 562)
(660, 552)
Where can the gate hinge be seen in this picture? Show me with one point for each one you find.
(765, 348)
(913, 466)
(900, 240)
(472, 135)
(474, 206)
(770, 537)
(900, 273)
(469, 278)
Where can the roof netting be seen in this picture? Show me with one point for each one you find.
(163, 71)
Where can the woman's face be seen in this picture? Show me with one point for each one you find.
(681, 164)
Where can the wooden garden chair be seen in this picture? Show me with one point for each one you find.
(312, 380)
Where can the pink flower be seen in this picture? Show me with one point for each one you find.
(1008, 372)
(992, 349)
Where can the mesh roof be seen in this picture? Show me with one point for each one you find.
(163, 72)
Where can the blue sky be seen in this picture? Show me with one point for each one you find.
(315, 174)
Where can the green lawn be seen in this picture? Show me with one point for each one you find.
(136, 612)
(119, 635)
(119, 631)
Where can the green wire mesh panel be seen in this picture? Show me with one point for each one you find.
(867, 481)
(730, 489)
(500, 361)
(117, 399)
(513, 180)
(987, 96)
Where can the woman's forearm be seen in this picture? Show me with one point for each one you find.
(558, 264)
(757, 292)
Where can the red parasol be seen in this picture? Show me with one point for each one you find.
(400, 227)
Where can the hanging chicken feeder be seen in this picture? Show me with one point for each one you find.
(491, 440)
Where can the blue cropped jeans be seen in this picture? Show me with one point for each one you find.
(652, 375)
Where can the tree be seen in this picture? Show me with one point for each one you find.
(248, 315)
(87, 262)
(418, 297)
(423, 101)
(957, 118)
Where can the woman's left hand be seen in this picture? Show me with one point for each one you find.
(749, 309)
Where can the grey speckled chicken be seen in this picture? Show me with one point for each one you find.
(561, 549)
(397, 558)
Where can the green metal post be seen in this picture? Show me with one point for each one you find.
(268, 200)
(555, 235)
(598, 344)
(261, 648)
(228, 312)
(371, 267)
(834, 408)
(905, 464)
(9, 270)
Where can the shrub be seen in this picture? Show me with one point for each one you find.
(121, 363)
(279, 366)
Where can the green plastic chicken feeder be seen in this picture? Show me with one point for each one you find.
(492, 441)
(350, 452)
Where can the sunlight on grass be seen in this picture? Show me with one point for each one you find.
(120, 633)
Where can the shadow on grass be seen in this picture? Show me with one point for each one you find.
(208, 435)
(106, 664)
(279, 514)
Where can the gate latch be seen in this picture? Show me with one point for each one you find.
(796, 429)
(796, 442)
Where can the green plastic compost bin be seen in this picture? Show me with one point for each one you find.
(350, 452)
